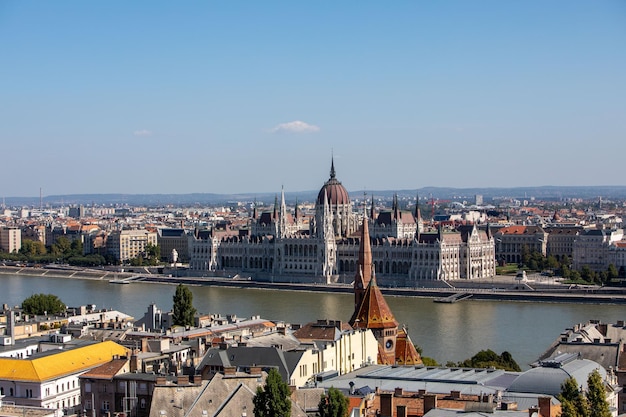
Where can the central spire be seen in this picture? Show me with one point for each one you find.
(332, 167)
(364, 265)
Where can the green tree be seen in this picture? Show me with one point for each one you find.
(153, 252)
(184, 311)
(586, 273)
(551, 262)
(32, 248)
(612, 272)
(42, 304)
(273, 399)
(334, 404)
(61, 247)
(425, 359)
(525, 254)
(573, 402)
(596, 395)
(76, 247)
(489, 359)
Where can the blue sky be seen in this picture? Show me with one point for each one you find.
(227, 97)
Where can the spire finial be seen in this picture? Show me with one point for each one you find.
(332, 166)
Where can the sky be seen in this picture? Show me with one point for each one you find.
(239, 97)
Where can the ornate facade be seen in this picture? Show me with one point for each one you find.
(281, 245)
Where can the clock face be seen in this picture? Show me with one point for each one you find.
(389, 344)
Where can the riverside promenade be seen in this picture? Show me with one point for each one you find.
(500, 288)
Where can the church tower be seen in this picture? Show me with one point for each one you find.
(364, 270)
(371, 311)
(374, 313)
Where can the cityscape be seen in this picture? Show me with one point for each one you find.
(568, 250)
(274, 209)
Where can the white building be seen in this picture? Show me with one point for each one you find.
(51, 380)
(283, 246)
(592, 248)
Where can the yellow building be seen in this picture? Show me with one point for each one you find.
(51, 380)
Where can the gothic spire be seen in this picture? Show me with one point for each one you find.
(332, 167)
(275, 213)
(396, 210)
(364, 272)
(418, 214)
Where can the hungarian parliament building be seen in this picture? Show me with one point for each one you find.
(281, 245)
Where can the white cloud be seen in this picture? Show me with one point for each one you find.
(295, 127)
(142, 132)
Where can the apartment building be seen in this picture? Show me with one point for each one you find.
(128, 244)
(10, 239)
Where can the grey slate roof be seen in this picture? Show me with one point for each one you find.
(248, 356)
(547, 379)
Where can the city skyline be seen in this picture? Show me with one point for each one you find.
(245, 97)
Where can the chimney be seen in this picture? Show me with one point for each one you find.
(11, 323)
(230, 370)
(134, 362)
(533, 411)
(509, 406)
(182, 380)
(398, 392)
(545, 407)
(455, 395)
(161, 380)
(430, 402)
(386, 404)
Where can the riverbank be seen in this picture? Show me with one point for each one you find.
(497, 289)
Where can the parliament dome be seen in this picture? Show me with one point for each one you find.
(334, 191)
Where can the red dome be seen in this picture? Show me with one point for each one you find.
(335, 192)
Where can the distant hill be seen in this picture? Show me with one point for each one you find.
(203, 199)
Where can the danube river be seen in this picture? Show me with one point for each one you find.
(445, 331)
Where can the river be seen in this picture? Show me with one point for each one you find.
(446, 332)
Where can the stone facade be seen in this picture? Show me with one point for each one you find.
(282, 246)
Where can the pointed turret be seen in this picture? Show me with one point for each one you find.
(283, 206)
(254, 210)
(283, 213)
(418, 218)
(396, 210)
(418, 214)
(406, 354)
(374, 313)
(372, 212)
(364, 270)
(275, 212)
